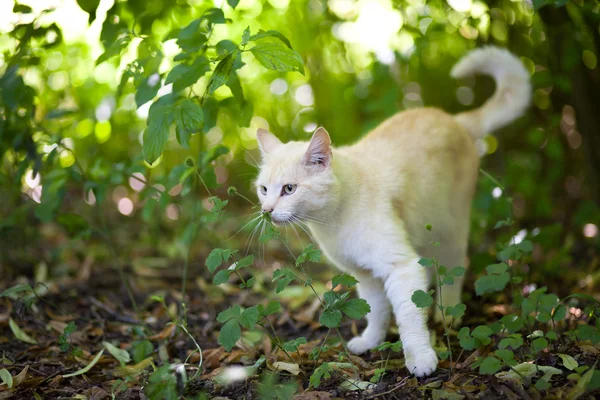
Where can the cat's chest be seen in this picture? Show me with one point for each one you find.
(349, 247)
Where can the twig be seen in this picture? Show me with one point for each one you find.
(111, 312)
(398, 386)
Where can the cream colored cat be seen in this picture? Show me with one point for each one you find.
(367, 205)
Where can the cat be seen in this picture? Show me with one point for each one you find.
(367, 205)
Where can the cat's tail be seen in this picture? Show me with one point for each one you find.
(513, 90)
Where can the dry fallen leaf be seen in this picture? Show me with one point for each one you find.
(293, 369)
(167, 331)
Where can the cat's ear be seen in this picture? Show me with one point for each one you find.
(267, 141)
(319, 149)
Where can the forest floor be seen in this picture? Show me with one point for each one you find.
(50, 347)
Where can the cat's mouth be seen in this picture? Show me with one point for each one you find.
(279, 221)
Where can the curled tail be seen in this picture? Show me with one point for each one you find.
(513, 90)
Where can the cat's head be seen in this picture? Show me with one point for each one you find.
(296, 179)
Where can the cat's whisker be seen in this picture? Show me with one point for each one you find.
(243, 227)
(315, 220)
(298, 236)
(249, 241)
(304, 227)
(255, 165)
(262, 243)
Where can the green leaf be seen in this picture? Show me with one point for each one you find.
(355, 308)
(141, 350)
(506, 355)
(119, 354)
(322, 372)
(183, 75)
(569, 362)
(396, 346)
(272, 308)
(189, 116)
(246, 35)
(6, 377)
(482, 334)
(343, 279)
(89, 6)
(244, 262)
(233, 312)
(309, 253)
(331, 318)
(21, 8)
(230, 333)
(221, 73)
(214, 15)
(276, 56)
(283, 277)
(427, 262)
(539, 344)
(147, 89)
(422, 299)
(249, 317)
(293, 345)
(490, 365)
(162, 384)
(214, 259)
(457, 311)
(19, 334)
(221, 277)
(458, 271)
(18, 291)
(513, 341)
(270, 33)
(87, 367)
(233, 3)
(114, 49)
(155, 139)
(491, 283)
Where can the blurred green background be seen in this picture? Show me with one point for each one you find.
(74, 183)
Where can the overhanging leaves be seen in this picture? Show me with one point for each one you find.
(276, 56)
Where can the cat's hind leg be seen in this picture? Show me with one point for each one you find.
(378, 319)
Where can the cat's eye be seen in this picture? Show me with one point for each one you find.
(289, 188)
(263, 189)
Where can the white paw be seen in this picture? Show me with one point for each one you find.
(422, 364)
(359, 345)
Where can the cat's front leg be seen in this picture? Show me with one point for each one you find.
(378, 319)
(401, 280)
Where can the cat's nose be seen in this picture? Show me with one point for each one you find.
(267, 210)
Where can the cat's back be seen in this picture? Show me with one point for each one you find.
(414, 136)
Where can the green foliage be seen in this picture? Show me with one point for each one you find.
(63, 340)
(283, 277)
(343, 279)
(309, 254)
(119, 354)
(162, 384)
(336, 304)
(141, 349)
(422, 299)
(480, 336)
(6, 377)
(293, 344)
(270, 389)
(490, 365)
(232, 318)
(495, 281)
(395, 347)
